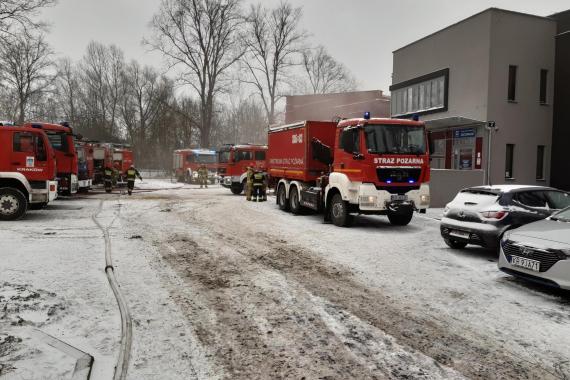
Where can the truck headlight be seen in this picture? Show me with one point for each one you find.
(368, 200)
(424, 199)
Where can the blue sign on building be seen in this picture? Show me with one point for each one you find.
(464, 133)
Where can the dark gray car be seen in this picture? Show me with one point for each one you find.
(481, 215)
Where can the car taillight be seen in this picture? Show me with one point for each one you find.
(498, 215)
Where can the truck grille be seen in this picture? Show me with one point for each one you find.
(399, 175)
(397, 189)
(547, 258)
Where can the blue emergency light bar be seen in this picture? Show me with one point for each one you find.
(366, 115)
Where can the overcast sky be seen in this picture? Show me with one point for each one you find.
(360, 33)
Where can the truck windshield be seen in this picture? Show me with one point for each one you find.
(395, 139)
(58, 140)
(224, 156)
(206, 159)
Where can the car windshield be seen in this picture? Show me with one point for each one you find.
(395, 139)
(562, 216)
(224, 156)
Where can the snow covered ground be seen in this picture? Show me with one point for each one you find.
(223, 288)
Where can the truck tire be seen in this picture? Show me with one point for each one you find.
(237, 188)
(400, 219)
(339, 211)
(13, 204)
(294, 203)
(282, 200)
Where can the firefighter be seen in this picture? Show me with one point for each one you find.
(258, 183)
(249, 183)
(203, 176)
(132, 174)
(108, 175)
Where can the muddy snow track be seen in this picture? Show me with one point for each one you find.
(271, 309)
(122, 365)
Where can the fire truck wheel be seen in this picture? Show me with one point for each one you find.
(339, 211)
(237, 189)
(13, 204)
(282, 198)
(400, 219)
(294, 203)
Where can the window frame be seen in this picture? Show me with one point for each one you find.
(543, 89)
(540, 162)
(512, 84)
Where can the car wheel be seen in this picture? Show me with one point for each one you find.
(455, 244)
(13, 204)
(400, 219)
(282, 198)
(339, 211)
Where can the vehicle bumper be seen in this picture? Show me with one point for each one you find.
(484, 235)
(557, 276)
(84, 183)
(371, 199)
(45, 195)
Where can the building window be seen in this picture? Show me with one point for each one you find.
(543, 85)
(512, 83)
(421, 95)
(540, 162)
(509, 161)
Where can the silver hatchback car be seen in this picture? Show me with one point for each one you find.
(539, 251)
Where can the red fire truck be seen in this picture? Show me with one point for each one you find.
(102, 158)
(85, 162)
(62, 141)
(233, 161)
(122, 160)
(356, 166)
(27, 171)
(186, 163)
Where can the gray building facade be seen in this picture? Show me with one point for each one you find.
(496, 66)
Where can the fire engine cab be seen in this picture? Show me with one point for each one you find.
(27, 171)
(63, 143)
(233, 161)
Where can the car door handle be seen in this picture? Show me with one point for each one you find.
(16, 163)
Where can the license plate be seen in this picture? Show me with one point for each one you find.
(460, 234)
(522, 262)
(399, 197)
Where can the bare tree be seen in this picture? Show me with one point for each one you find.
(19, 14)
(325, 74)
(272, 40)
(26, 62)
(200, 37)
(67, 89)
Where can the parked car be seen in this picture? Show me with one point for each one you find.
(539, 251)
(481, 215)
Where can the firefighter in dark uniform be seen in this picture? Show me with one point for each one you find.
(203, 176)
(108, 175)
(249, 183)
(258, 184)
(132, 175)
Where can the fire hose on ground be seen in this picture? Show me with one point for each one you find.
(126, 321)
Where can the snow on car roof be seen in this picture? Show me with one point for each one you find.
(506, 188)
